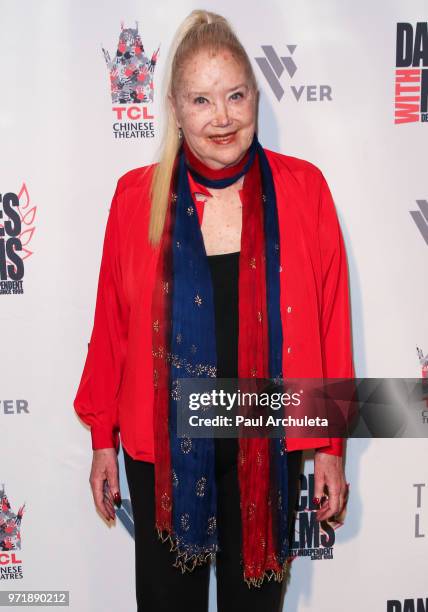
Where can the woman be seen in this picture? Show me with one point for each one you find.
(220, 237)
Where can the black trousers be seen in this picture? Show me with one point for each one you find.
(161, 587)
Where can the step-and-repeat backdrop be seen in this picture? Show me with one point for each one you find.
(344, 85)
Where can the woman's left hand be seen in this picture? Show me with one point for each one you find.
(330, 483)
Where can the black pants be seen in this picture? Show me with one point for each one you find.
(160, 587)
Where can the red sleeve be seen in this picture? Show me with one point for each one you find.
(336, 340)
(96, 399)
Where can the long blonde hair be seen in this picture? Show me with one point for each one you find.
(200, 30)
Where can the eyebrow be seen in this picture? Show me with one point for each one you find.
(206, 93)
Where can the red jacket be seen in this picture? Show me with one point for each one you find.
(116, 389)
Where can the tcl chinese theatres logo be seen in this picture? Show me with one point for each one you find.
(10, 524)
(423, 360)
(131, 75)
(16, 233)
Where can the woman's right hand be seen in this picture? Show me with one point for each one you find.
(104, 481)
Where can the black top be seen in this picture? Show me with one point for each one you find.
(225, 275)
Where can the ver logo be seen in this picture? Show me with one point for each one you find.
(421, 218)
(273, 66)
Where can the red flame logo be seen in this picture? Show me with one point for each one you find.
(27, 220)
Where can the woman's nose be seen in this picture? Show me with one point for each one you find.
(221, 115)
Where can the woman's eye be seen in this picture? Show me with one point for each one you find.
(237, 95)
(200, 100)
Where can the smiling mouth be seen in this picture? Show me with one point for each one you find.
(223, 139)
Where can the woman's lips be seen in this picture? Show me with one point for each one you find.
(224, 139)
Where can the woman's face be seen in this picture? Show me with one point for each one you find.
(215, 106)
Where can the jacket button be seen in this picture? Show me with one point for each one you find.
(289, 349)
(289, 309)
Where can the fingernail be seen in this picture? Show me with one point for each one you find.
(316, 501)
(117, 499)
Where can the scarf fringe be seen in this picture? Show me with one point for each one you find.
(185, 562)
(270, 574)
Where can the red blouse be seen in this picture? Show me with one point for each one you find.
(116, 388)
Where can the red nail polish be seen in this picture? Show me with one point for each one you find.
(117, 499)
(316, 501)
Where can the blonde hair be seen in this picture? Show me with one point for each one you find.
(200, 30)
